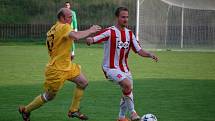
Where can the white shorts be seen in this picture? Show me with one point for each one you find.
(116, 75)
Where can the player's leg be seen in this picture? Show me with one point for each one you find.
(81, 83)
(117, 76)
(133, 115)
(127, 94)
(26, 110)
(127, 99)
(122, 109)
(52, 84)
(36, 103)
(126, 86)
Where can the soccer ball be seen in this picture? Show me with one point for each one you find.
(149, 117)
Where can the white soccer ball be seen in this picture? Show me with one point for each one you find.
(148, 117)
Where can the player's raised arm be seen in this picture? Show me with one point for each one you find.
(101, 36)
(82, 34)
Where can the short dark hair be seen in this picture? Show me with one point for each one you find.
(67, 2)
(60, 13)
(119, 9)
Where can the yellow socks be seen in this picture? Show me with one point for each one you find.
(78, 94)
(36, 103)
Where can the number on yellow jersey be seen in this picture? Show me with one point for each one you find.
(49, 42)
(50, 39)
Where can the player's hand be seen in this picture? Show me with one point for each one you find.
(94, 29)
(89, 41)
(72, 56)
(154, 57)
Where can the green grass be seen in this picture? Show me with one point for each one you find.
(180, 87)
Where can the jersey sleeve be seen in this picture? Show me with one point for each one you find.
(135, 45)
(66, 30)
(102, 36)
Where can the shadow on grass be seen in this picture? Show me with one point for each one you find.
(168, 99)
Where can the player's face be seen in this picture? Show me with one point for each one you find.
(123, 18)
(67, 5)
(68, 17)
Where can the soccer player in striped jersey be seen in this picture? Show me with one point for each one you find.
(118, 40)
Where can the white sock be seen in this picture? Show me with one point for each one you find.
(129, 102)
(122, 109)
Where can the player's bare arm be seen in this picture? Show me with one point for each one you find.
(145, 53)
(82, 34)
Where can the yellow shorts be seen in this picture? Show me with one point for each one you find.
(55, 78)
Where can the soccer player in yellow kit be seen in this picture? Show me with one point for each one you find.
(60, 68)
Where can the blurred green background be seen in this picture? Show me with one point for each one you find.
(44, 11)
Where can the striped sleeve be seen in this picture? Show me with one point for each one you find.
(102, 36)
(135, 45)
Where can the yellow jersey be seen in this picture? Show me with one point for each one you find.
(59, 44)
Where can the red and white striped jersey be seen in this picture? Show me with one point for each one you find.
(117, 44)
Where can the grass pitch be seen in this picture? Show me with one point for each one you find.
(180, 87)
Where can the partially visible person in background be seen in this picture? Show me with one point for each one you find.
(74, 26)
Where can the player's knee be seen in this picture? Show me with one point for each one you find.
(83, 85)
(127, 89)
(48, 96)
(51, 97)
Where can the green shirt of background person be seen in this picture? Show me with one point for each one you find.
(74, 25)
